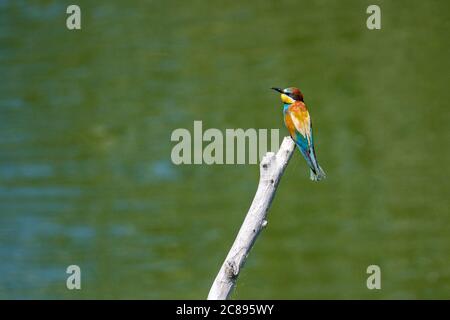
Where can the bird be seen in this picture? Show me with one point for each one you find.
(298, 122)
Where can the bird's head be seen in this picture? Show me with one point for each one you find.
(290, 95)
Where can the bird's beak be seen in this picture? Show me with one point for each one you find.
(277, 89)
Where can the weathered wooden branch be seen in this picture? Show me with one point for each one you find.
(271, 169)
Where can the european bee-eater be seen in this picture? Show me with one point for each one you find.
(299, 124)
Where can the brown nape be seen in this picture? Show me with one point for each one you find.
(296, 94)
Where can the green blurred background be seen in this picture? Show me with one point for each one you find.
(86, 176)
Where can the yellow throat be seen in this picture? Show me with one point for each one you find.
(286, 99)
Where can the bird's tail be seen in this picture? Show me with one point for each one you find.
(316, 172)
(319, 175)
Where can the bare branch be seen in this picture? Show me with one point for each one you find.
(271, 169)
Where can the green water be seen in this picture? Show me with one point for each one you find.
(86, 176)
